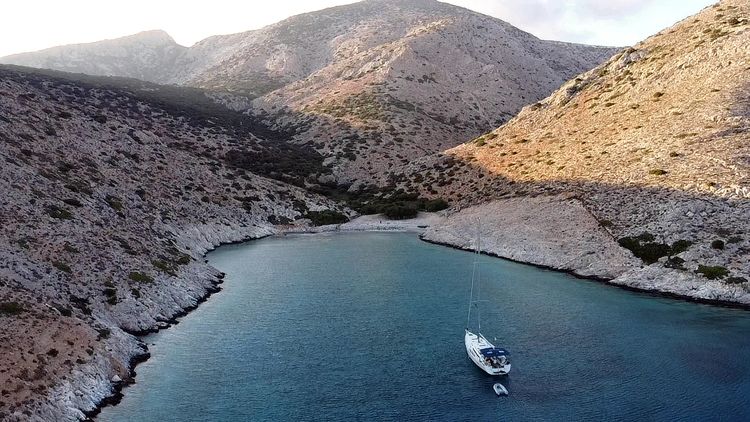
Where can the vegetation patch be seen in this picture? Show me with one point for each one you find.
(59, 213)
(114, 202)
(165, 266)
(645, 248)
(680, 246)
(736, 280)
(11, 308)
(400, 211)
(81, 303)
(712, 273)
(396, 205)
(62, 267)
(675, 262)
(326, 217)
(111, 295)
(435, 205)
(140, 277)
(649, 251)
(104, 333)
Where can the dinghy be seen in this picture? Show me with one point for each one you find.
(500, 389)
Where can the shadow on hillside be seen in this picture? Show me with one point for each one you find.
(623, 209)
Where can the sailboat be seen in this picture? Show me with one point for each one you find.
(492, 360)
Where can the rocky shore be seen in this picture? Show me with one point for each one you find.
(420, 224)
(559, 233)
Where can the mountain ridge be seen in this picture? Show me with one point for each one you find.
(371, 83)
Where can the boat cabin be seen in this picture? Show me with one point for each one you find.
(495, 356)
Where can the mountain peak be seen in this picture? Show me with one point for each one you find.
(153, 35)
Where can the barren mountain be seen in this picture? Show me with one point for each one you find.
(371, 84)
(109, 202)
(150, 56)
(652, 147)
(388, 81)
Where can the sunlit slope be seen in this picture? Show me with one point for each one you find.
(670, 112)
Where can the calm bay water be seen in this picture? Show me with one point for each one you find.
(370, 326)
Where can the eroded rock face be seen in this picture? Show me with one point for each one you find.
(109, 203)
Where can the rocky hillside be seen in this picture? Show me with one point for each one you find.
(400, 79)
(150, 56)
(652, 146)
(109, 201)
(370, 85)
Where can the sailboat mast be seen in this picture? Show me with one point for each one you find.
(474, 274)
(471, 295)
(479, 281)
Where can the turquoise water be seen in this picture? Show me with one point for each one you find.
(369, 326)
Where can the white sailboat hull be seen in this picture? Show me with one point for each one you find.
(474, 345)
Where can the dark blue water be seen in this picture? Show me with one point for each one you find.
(370, 327)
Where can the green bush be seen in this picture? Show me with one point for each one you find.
(712, 273)
(675, 262)
(103, 333)
(11, 308)
(62, 267)
(164, 266)
(681, 246)
(140, 277)
(645, 248)
(114, 202)
(67, 247)
(326, 217)
(395, 204)
(400, 212)
(736, 280)
(369, 209)
(73, 202)
(717, 244)
(59, 213)
(111, 295)
(436, 205)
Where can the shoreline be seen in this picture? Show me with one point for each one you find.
(398, 226)
(608, 282)
(118, 387)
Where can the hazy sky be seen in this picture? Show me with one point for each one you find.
(27, 25)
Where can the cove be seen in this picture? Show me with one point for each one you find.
(369, 326)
